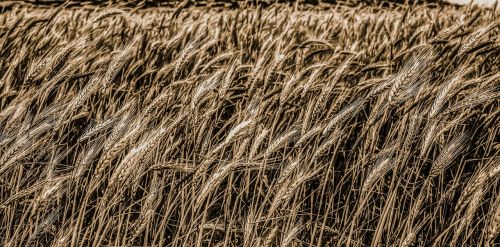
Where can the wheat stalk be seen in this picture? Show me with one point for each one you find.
(451, 151)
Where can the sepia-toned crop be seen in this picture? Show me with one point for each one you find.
(258, 125)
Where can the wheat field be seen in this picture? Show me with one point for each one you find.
(280, 125)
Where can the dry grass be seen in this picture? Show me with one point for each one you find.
(277, 126)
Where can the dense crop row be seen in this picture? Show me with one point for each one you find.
(283, 126)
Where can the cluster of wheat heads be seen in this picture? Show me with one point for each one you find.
(281, 126)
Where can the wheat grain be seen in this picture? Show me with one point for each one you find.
(450, 152)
